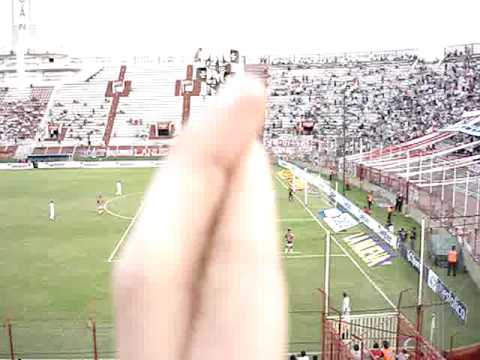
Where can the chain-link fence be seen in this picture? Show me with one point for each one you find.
(83, 338)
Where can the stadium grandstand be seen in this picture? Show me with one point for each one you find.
(375, 163)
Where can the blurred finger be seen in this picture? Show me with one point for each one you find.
(156, 276)
(242, 311)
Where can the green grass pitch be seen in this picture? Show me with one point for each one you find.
(54, 275)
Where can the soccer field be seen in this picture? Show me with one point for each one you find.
(55, 275)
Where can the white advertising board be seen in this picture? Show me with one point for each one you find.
(100, 164)
(16, 166)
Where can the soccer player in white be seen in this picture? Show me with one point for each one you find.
(346, 309)
(119, 188)
(51, 210)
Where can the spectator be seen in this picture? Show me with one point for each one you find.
(413, 239)
(402, 236)
(403, 98)
(403, 355)
(357, 355)
(452, 261)
(400, 199)
(376, 351)
(303, 355)
(387, 353)
(291, 191)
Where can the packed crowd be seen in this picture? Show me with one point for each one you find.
(345, 59)
(19, 118)
(213, 70)
(383, 102)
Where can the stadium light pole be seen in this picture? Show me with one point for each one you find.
(327, 271)
(422, 250)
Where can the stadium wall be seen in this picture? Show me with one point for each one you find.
(84, 165)
(99, 164)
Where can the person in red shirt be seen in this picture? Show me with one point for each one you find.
(290, 193)
(376, 352)
(100, 204)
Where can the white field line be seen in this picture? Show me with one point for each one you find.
(109, 212)
(122, 239)
(124, 236)
(310, 256)
(296, 220)
(342, 248)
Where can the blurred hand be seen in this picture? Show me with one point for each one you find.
(200, 276)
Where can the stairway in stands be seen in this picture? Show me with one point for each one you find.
(115, 101)
(150, 101)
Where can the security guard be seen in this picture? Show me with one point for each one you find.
(452, 261)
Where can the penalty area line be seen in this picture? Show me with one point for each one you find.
(296, 220)
(124, 236)
(357, 265)
(310, 256)
(111, 213)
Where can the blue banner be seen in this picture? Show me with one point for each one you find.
(458, 307)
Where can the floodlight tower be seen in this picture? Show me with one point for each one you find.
(22, 33)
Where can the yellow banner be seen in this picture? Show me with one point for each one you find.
(287, 175)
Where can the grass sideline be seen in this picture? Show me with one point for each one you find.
(462, 284)
(54, 275)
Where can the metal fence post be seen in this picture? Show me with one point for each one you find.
(10, 339)
(94, 338)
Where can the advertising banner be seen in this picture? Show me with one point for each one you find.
(439, 288)
(60, 165)
(100, 164)
(458, 307)
(341, 222)
(16, 166)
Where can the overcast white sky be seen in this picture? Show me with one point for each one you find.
(111, 27)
